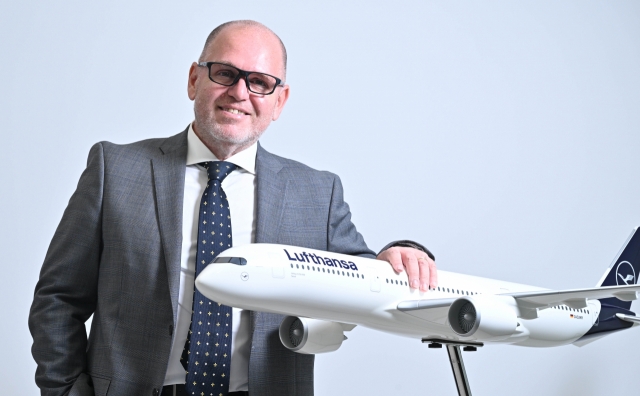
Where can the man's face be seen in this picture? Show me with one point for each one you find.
(233, 116)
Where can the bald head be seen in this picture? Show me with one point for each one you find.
(240, 25)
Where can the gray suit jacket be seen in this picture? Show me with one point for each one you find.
(116, 255)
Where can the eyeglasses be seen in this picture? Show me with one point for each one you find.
(227, 75)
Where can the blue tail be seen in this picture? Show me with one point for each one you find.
(623, 271)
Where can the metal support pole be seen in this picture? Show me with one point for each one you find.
(459, 373)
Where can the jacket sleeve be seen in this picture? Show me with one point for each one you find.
(66, 293)
(343, 236)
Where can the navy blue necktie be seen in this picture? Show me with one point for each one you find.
(207, 352)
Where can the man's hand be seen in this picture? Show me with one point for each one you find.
(421, 270)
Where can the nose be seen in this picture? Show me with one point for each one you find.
(239, 90)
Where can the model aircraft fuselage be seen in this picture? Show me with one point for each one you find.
(346, 290)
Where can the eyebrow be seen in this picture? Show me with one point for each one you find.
(227, 63)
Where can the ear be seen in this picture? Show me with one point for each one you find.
(283, 96)
(193, 77)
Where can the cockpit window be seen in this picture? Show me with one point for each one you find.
(232, 260)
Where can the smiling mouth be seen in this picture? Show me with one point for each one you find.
(233, 111)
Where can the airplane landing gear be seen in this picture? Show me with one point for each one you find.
(455, 358)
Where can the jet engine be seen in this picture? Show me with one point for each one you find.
(485, 318)
(311, 336)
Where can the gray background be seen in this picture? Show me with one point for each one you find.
(504, 136)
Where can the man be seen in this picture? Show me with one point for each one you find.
(127, 249)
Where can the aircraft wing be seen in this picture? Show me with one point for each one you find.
(436, 309)
(575, 298)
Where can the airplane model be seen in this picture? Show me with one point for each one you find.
(323, 295)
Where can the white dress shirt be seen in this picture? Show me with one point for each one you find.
(240, 188)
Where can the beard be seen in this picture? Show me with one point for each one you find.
(215, 133)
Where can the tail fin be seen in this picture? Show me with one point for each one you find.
(624, 270)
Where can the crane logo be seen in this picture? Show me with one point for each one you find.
(625, 274)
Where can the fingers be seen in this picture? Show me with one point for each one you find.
(428, 273)
(412, 266)
(433, 280)
(394, 257)
(421, 270)
(425, 273)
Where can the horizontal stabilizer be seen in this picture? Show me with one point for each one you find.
(629, 318)
(575, 298)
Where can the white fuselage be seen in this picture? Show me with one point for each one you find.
(296, 281)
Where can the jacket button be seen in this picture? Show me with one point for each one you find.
(156, 392)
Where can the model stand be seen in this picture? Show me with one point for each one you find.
(455, 358)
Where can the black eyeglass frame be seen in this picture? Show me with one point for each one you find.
(241, 74)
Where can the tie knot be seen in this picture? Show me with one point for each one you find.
(218, 170)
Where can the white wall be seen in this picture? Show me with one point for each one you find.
(503, 135)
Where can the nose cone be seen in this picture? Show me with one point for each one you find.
(216, 281)
(242, 276)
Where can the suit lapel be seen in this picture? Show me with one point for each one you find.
(168, 176)
(272, 193)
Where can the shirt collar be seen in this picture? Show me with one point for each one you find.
(197, 152)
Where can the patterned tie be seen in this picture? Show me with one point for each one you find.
(207, 352)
